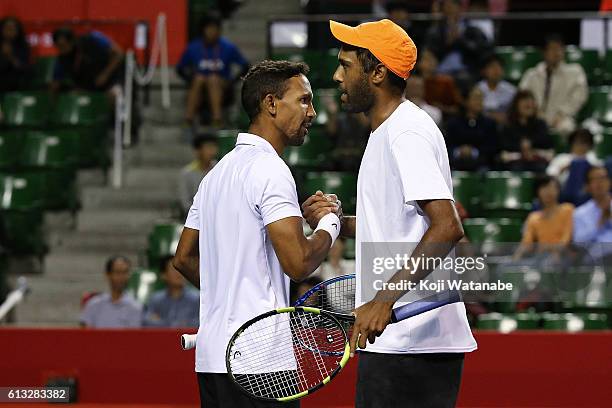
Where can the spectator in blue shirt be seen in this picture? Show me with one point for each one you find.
(90, 62)
(206, 65)
(592, 221)
(174, 306)
(116, 308)
(498, 94)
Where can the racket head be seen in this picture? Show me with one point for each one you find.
(336, 295)
(284, 354)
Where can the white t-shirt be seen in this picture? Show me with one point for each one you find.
(406, 161)
(240, 275)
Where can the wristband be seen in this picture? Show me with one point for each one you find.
(331, 224)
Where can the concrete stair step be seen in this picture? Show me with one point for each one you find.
(171, 156)
(164, 179)
(163, 134)
(119, 221)
(127, 198)
(98, 242)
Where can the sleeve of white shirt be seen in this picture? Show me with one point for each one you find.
(275, 195)
(419, 169)
(193, 216)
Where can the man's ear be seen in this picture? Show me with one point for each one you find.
(269, 103)
(378, 74)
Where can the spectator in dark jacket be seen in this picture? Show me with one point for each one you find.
(90, 62)
(14, 55)
(471, 137)
(526, 143)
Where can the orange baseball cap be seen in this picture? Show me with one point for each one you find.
(386, 41)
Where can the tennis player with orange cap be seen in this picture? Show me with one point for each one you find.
(404, 194)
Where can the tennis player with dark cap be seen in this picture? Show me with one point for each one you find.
(404, 194)
(243, 238)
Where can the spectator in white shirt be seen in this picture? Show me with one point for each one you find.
(560, 89)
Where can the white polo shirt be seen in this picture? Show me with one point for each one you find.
(240, 275)
(405, 161)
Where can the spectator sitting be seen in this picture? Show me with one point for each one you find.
(550, 227)
(205, 149)
(498, 94)
(116, 309)
(471, 137)
(560, 89)
(399, 13)
(440, 90)
(457, 44)
(592, 223)
(14, 55)
(206, 65)
(415, 92)
(350, 132)
(90, 62)
(526, 144)
(174, 306)
(335, 265)
(581, 148)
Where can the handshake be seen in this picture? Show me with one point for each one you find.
(319, 205)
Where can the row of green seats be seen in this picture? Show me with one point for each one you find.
(85, 114)
(495, 194)
(568, 322)
(517, 60)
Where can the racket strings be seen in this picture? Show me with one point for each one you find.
(336, 296)
(279, 356)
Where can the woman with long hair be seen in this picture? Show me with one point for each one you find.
(14, 55)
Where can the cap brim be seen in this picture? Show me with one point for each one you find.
(345, 33)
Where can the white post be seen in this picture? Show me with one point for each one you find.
(127, 111)
(118, 143)
(165, 78)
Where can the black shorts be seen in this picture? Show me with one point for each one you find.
(219, 391)
(408, 380)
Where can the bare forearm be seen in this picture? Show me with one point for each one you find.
(114, 62)
(190, 268)
(349, 224)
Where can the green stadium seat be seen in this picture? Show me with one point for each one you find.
(313, 154)
(50, 149)
(21, 205)
(87, 113)
(226, 140)
(571, 322)
(467, 189)
(322, 63)
(508, 194)
(603, 143)
(588, 59)
(599, 105)
(81, 109)
(349, 248)
(10, 146)
(343, 184)
(517, 60)
(321, 100)
(492, 230)
(506, 323)
(25, 109)
(21, 191)
(43, 71)
(24, 232)
(142, 284)
(163, 241)
(607, 68)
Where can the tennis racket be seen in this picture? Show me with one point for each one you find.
(288, 353)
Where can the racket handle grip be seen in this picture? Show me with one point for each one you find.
(424, 305)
